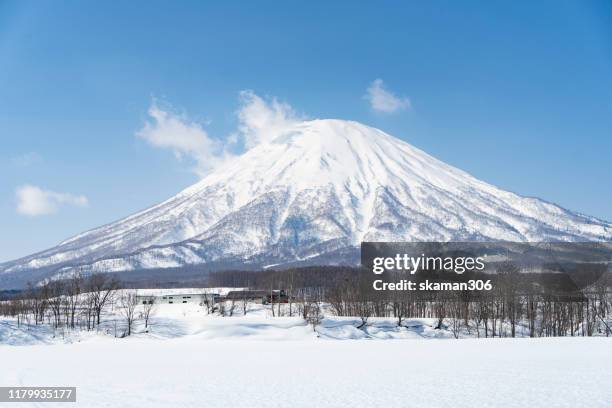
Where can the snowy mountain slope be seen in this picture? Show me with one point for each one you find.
(324, 186)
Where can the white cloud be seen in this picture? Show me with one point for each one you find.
(32, 200)
(175, 131)
(382, 100)
(261, 121)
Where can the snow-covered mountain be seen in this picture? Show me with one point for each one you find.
(313, 194)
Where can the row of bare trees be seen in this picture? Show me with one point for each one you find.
(72, 302)
(515, 307)
(77, 303)
(304, 289)
(509, 310)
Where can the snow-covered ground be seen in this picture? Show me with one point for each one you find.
(192, 321)
(191, 372)
(192, 359)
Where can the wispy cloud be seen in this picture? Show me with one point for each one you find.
(33, 200)
(186, 138)
(26, 159)
(260, 120)
(383, 100)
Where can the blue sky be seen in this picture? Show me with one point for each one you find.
(517, 94)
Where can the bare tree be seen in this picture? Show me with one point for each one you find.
(208, 301)
(291, 283)
(88, 309)
(56, 289)
(232, 306)
(127, 304)
(456, 308)
(313, 314)
(361, 301)
(244, 302)
(148, 310)
(38, 301)
(73, 297)
(103, 289)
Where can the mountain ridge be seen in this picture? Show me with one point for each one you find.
(321, 186)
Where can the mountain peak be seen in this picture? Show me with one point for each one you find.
(320, 187)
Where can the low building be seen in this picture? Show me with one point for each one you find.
(248, 295)
(176, 298)
(277, 296)
(259, 296)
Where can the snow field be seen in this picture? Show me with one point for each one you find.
(191, 359)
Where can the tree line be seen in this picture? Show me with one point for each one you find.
(517, 305)
(76, 303)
